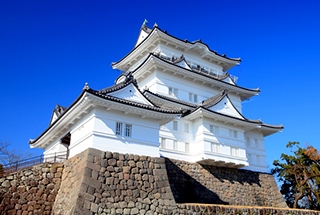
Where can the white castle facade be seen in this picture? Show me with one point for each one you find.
(175, 99)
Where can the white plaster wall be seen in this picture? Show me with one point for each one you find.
(256, 152)
(165, 80)
(56, 152)
(144, 139)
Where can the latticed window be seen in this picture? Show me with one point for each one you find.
(215, 147)
(248, 141)
(175, 125)
(175, 145)
(233, 133)
(118, 128)
(214, 129)
(234, 151)
(173, 91)
(128, 130)
(163, 142)
(256, 143)
(193, 97)
(186, 127)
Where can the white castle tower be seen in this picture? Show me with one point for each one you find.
(175, 99)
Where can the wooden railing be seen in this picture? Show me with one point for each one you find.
(48, 158)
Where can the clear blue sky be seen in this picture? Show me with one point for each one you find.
(49, 49)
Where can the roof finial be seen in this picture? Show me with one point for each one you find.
(155, 25)
(145, 22)
(86, 87)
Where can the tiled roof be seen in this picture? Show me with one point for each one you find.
(129, 79)
(58, 110)
(149, 31)
(133, 103)
(194, 71)
(170, 99)
(206, 104)
(214, 99)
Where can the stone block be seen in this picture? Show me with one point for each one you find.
(132, 163)
(92, 166)
(108, 155)
(91, 182)
(134, 211)
(96, 153)
(126, 211)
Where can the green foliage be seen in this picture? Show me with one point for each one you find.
(300, 177)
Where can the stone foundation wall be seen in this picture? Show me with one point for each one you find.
(30, 191)
(196, 209)
(96, 182)
(196, 183)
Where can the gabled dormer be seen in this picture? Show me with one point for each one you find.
(221, 103)
(128, 90)
(57, 112)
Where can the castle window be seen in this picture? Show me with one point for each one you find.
(128, 130)
(214, 129)
(118, 128)
(175, 125)
(258, 159)
(173, 91)
(256, 143)
(233, 133)
(215, 147)
(186, 127)
(193, 97)
(234, 151)
(248, 141)
(175, 145)
(163, 142)
(249, 156)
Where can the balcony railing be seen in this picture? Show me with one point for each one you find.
(48, 158)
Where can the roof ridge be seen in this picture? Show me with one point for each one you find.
(171, 99)
(209, 102)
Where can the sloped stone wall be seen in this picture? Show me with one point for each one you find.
(96, 182)
(30, 191)
(192, 182)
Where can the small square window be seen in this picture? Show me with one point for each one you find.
(215, 147)
(233, 133)
(118, 128)
(234, 151)
(128, 130)
(163, 142)
(248, 141)
(175, 125)
(256, 143)
(186, 127)
(175, 145)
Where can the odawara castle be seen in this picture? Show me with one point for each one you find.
(175, 98)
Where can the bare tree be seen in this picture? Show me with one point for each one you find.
(8, 156)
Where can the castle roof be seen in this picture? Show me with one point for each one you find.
(157, 34)
(90, 97)
(206, 108)
(213, 80)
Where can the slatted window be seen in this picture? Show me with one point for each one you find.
(163, 142)
(215, 147)
(128, 130)
(118, 128)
